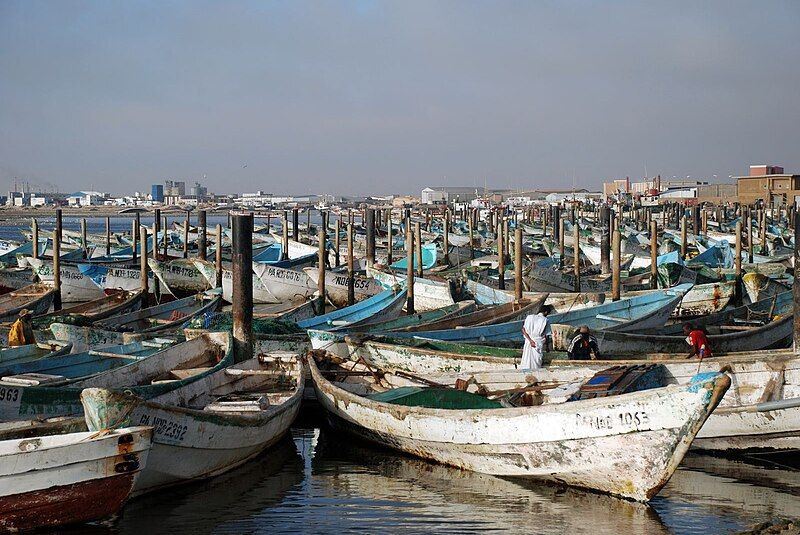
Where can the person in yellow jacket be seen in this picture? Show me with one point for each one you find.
(21, 332)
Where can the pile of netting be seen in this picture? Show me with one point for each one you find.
(223, 321)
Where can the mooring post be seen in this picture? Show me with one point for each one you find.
(576, 248)
(684, 238)
(308, 222)
(501, 255)
(418, 244)
(389, 258)
(704, 223)
(84, 241)
(186, 236)
(285, 245)
(351, 296)
(446, 237)
(108, 235)
(35, 238)
(696, 219)
(218, 257)
(605, 239)
(57, 260)
(156, 229)
(738, 263)
(409, 270)
(749, 236)
(518, 263)
(137, 223)
(202, 240)
(143, 281)
(166, 243)
(321, 270)
(796, 285)
(370, 227)
(763, 237)
(470, 223)
(653, 254)
(562, 249)
(337, 241)
(615, 268)
(296, 224)
(242, 266)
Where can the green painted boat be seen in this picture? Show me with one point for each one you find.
(27, 397)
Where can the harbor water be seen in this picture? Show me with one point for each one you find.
(319, 482)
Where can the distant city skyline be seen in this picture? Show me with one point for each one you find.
(360, 98)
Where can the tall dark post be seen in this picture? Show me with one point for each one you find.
(321, 262)
(409, 270)
(108, 236)
(35, 238)
(285, 236)
(351, 290)
(615, 280)
(84, 242)
(418, 245)
(576, 248)
(501, 255)
(556, 218)
(389, 236)
(337, 241)
(218, 257)
(296, 223)
(653, 254)
(242, 260)
(605, 245)
(738, 265)
(696, 219)
(186, 236)
(137, 224)
(518, 263)
(202, 241)
(166, 243)
(143, 282)
(370, 226)
(156, 229)
(796, 286)
(57, 260)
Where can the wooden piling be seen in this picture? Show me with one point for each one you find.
(576, 248)
(389, 236)
(796, 285)
(561, 247)
(242, 261)
(156, 229)
(186, 236)
(749, 236)
(738, 290)
(446, 237)
(296, 224)
(337, 243)
(653, 254)
(418, 244)
(84, 241)
(57, 260)
(684, 238)
(616, 266)
(501, 258)
(370, 227)
(350, 268)
(35, 237)
(285, 245)
(143, 267)
(470, 222)
(321, 268)
(108, 236)
(518, 263)
(409, 270)
(202, 240)
(218, 257)
(605, 245)
(166, 242)
(135, 235)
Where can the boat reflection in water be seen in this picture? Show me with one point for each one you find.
(319, 482)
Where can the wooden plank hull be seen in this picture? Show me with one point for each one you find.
(192, 443)
(428, 294)
(336, 286)
(79, 478)
(627, 445)
(75, 287)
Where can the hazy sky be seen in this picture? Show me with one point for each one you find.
(388, 97)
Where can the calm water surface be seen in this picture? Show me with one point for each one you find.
(318, 482)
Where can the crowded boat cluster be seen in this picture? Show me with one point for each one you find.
(576, 344)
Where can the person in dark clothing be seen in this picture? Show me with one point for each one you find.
(583, 346)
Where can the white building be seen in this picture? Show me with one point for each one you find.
(432, 196)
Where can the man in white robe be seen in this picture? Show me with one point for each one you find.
(535, 330)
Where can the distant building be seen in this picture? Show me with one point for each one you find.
(174, 188)
(768, 183)
(86, 198)
(157, 193)
(448, 194)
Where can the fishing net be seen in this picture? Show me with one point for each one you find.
(223, 321)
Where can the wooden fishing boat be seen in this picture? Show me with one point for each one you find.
(642, 312)
(759, 286)
(180, 277)
(561, 301)
(35, 297)
(706, 299)
(775, 334)
(381, 307)
(83, 338)
(491, 315)
(116, 302)
(429, 294)
(300, 255)
(108, 278)
(75, 287)
(420, 319)
(271, 284)
(29, 352)
(59, 480)
(162, 317)
(429, 257)
(212, 425)
(53, 389)
(14, 278)
(336, 286)
(627, 445)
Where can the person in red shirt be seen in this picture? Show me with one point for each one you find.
(698, 340)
